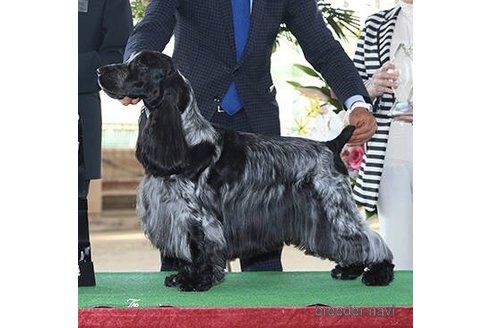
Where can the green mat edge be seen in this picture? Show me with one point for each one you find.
(195, 296)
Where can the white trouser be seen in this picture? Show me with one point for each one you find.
(395, 202)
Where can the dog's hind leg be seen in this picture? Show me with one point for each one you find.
(342, 235)
(348, 272)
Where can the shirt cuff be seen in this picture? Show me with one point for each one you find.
(352, 100)
(360, 104)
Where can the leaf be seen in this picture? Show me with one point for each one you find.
(310, 90)
(138, 8)
(313, 92)
(309, 71)
(335, 103)
(304, 89)
(295, 84)
(300, 86)
(340, 21)
(370, 214)
(326, 91)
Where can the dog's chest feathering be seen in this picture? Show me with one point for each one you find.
(168, 206)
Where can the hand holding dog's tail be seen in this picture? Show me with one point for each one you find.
(365, 124)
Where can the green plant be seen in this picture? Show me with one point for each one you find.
(138, 8)
(342, 22)
(306, 89)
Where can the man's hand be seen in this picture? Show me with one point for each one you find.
(129, 101)
(365, 125)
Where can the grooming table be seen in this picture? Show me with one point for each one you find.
(246, 299)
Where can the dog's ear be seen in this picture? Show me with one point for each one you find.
(161, 147)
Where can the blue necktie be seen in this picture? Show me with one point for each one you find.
(231, 103)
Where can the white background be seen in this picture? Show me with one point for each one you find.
(38, 134)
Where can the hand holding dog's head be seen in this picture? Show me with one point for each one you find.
(145, 75)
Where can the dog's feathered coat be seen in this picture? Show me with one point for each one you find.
(211, 194)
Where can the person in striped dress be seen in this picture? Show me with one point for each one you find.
(385, 180)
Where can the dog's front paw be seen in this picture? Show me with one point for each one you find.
(198, 287)
(171, 281)
(379, 274)
(347, 273)
(187, 284)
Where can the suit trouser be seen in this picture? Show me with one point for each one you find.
(86, 268)
(262, 262)
(395, 202)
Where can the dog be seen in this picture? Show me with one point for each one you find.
(211, 194)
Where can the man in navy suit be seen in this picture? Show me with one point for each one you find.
(224, 47)
(104, 27)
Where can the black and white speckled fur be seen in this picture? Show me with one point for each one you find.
(213, 194)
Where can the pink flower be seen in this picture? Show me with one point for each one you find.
(352, 157)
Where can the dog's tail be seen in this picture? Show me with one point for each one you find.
(336, 146)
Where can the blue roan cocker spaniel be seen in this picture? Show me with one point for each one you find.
(211, 194)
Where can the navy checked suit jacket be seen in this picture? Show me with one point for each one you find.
(204, 51)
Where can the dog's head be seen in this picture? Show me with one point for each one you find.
(153, 77)
(148, 75)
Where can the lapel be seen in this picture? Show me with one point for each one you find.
(385, 33)
(225, 11)
(254, 26)
(225, 16)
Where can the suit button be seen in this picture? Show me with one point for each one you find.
(217, 99)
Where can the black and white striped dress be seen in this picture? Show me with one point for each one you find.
(372, 52)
